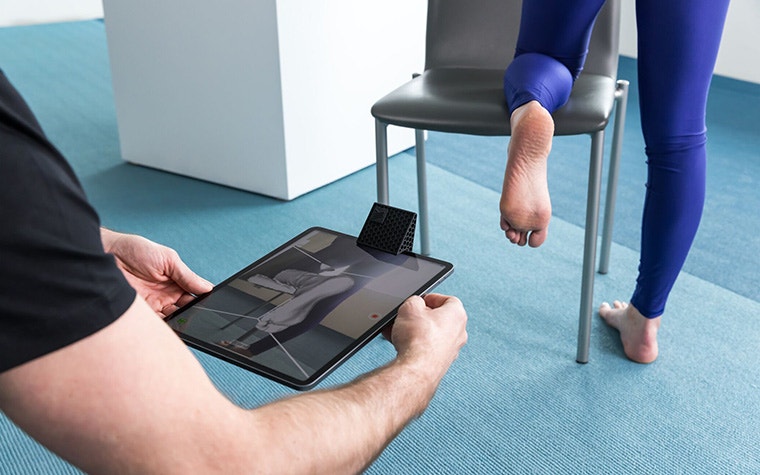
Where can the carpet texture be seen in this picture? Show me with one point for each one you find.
(515, 401)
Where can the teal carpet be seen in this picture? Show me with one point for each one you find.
(515, 401)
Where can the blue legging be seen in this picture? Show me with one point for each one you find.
(678, 42)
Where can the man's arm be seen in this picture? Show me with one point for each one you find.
(132, 398)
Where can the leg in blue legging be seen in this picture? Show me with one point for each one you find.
(678, 45)
(551, 49)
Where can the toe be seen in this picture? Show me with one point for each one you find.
(538, 237)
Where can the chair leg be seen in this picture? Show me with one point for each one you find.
(381, 153)
(621, 99)
(419, 147)
(589, 248)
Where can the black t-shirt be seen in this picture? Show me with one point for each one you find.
(57, 285)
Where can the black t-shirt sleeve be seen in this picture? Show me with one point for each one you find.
(57, 285)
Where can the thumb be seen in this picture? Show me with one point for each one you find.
(414, 302)
(187, 279)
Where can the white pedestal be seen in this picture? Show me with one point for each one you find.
(269, 96)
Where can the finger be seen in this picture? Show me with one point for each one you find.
(439, 300)
(415, 302)
(187, 279)
(168, 310)
(184, 300)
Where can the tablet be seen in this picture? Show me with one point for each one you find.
(297, 313)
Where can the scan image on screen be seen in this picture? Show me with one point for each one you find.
(299, 309)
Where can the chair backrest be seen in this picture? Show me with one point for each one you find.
(483, 34)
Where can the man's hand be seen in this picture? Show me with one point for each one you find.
(156, 272)
(429, 332)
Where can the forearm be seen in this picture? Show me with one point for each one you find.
(120, 245)
(115, 242)
(132, 414)
(343, 430)
(108, 237)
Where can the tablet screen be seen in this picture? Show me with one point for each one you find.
(297, 313)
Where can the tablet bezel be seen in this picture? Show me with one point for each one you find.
(275, 375)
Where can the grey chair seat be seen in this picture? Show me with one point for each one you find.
(471, 101)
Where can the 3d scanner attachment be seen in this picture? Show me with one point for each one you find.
(388, 229)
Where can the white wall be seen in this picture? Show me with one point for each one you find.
(24, 12)
(740, 47)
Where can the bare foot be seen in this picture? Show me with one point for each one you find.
(525, 204)
(638, 333)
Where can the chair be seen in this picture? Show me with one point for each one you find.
(469, 44)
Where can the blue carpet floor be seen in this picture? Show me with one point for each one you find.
(515, 401)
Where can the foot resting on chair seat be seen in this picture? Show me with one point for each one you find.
(525, 204)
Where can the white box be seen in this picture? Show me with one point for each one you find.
(269, 96)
